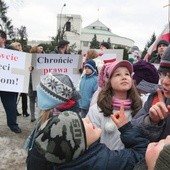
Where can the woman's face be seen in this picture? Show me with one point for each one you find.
(165, 82)
(153, 151)
(121, 80)
(92, 132)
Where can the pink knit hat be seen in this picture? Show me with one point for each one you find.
(109, 68)
(116, 64)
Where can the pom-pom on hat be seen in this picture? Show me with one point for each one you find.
(61, 138)
(146, 76)
(116, 64)
(164, 65)
(55, 89)
(103, 75)
(91, 64)
(145, 71)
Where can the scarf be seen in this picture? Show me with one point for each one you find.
(117, 103)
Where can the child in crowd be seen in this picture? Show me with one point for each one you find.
(55, 93)
(88, 85)
(117, 88)
(154, 117)
(146, 78)
(67, 142)
(93, 54)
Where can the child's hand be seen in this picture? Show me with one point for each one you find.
(119, 117)
(159, 111)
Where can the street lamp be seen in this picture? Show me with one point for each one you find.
(60, 18)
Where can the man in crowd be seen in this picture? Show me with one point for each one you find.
(9, 98)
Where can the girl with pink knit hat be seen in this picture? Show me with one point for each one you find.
(118, 88)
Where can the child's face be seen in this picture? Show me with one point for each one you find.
(165, 82)
(153, 151)
(121, 80)
(88, 70)
(92, 132)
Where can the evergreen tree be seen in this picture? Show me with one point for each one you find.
(94, 44)
(5, 22)
(148, 44)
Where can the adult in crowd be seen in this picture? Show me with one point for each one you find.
(104, 46)
(8, 99)
(31, 92)
(160, 48)
(63, 47)
(17, 46)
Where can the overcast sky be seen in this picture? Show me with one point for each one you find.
(134, 19)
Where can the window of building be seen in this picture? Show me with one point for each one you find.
(85, 43)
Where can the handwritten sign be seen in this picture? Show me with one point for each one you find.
(14, 70)
(59, 63)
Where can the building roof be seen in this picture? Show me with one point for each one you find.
(99, 28)
(98, 25)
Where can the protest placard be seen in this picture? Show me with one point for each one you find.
(59, 63)
(14, 70)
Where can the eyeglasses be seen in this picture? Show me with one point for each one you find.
(164, 74)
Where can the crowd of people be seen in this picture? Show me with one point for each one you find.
(119, 118)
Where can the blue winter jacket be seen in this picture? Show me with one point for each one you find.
(88, 85)
(153, 132)
(99, 157)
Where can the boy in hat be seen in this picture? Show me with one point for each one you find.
(154, 117)
(69, 142)
(88, 85)
(160, 48)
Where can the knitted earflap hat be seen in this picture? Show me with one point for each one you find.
(116, 64)
(55, 89)
(164, 65)
(61, 138)
(163, 161)
(91, 64)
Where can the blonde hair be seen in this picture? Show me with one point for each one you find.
(36, 49)
(45, 115)
(91, 54)
(16, 46)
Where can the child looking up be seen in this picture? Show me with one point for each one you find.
(118, 88)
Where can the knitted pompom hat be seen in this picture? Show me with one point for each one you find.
(165, 61)
(61, 138)
(55, 89)
(91, 64)
(163, 161)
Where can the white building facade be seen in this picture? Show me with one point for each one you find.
(82, 37)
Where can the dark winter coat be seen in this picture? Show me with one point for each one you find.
(98, 156)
